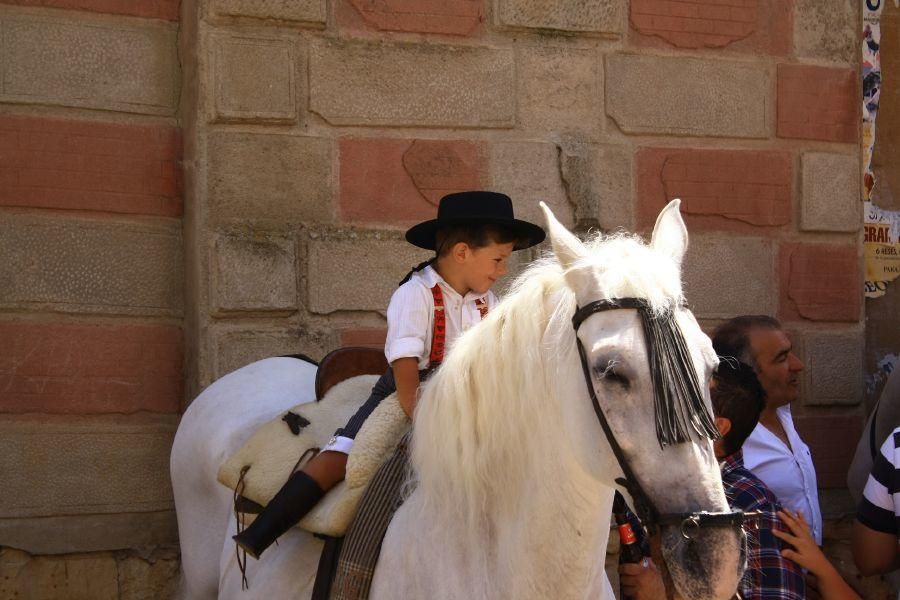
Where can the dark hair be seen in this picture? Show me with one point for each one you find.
(477, 235)
(737, 396)
(732, 338)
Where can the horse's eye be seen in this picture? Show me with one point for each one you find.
(612, 373)
(618, 379)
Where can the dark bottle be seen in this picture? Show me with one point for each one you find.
(630, 547)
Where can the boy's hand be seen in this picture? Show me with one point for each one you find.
(641, 581)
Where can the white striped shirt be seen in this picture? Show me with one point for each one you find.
(880, 506)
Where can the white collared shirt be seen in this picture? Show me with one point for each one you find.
(788, 472)
(410, 316)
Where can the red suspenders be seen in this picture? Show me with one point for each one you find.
(482, 307)
(439, 336)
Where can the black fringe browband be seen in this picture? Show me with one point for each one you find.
(678, 400)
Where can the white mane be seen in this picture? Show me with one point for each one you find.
(490, 432)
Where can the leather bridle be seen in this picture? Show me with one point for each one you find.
(689, 522)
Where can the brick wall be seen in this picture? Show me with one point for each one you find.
(91, 301)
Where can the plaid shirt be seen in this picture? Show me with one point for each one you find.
(769, 575)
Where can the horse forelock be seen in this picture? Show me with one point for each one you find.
(623, 266)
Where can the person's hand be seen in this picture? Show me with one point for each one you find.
(823, 580)
(641, 581)
(806, 552)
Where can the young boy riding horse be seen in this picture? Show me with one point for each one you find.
(472, 237)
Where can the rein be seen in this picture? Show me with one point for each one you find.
(673, 423)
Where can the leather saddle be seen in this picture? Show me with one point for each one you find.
(344, 363)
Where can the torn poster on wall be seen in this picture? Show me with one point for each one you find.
(871, 73)
(881, 244)
(881, 248)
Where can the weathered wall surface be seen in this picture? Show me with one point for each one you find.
(91, 297)
(883, 314)
(325, 128)
(311, 133)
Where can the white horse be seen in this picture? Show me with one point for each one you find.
(513, 475)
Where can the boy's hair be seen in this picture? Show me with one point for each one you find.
(476, 235)
(732, 338)
(737, 396)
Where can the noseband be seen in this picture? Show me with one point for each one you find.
(689, 522)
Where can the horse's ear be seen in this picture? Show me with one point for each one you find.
(670, 236)
(567, 248)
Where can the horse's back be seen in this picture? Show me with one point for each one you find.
(231, 408)
(216, 424)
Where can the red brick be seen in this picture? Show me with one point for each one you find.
(690, 10)
(440, 167)
(733, 190)
(819, 282)
(754, 26)
(401, 181)
(817, 103)
(447, 17)
(149, 9)
(746, 15)
(89, 369)
(90, 165)
(832, 441)
(367, 337)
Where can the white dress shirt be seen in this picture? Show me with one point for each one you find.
(410, 316)
(788, 472)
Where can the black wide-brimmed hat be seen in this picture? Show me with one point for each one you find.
(475, 208)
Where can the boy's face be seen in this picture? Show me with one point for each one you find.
(482, 267)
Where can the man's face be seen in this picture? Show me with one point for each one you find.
(777, 367)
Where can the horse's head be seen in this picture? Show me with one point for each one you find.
(649, 365)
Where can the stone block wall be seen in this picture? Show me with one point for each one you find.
(326, 127)
(307, 135)
(91, 297)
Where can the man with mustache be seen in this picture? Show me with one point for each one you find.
(774, 451)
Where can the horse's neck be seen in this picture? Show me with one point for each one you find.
(562, 532)
(542, 542)
(545, 540)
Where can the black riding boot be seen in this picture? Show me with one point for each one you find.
(295, 498)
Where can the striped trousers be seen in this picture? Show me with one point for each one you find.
(362, 544)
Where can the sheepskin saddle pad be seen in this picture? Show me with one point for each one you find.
(270, 455)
